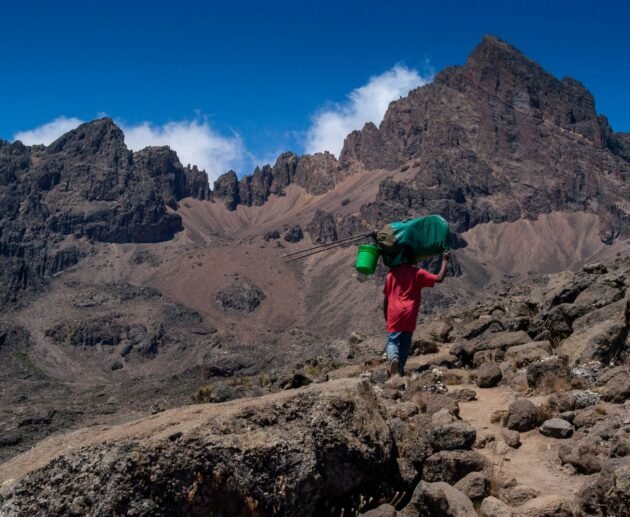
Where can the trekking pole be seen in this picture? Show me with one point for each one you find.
(336, 244)
(328, 244)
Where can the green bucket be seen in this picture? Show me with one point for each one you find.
(367, 259)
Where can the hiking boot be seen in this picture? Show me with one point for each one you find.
(393, 367)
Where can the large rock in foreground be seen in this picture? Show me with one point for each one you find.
(301, 452)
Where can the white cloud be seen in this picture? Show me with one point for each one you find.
(49, 132)
(195, 142)
(365, 104)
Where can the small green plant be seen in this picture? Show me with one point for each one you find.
(264, 380)
(312, 369)
(241, 381)
(204, 395)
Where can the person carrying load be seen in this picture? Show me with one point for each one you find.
(401, 305)
(402, 245)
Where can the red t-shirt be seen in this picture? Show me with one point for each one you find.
(402, 289)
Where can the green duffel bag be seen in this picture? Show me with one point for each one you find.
(410, 241)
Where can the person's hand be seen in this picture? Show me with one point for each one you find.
(446, 255)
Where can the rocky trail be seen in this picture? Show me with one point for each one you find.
(488, 421)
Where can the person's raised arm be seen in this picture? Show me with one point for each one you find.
(445, 258)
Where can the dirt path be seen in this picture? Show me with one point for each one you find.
(535, 463)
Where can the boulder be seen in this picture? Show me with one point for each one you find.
(599, 294)
(493, 507)
(617, 389)
(424, 346)
(522, 355)
(602, 341)
(503, 340)
(413, 442)
(585, 456)
(434, 402)
(512, 438)
(403, 410)
(443, 417)
(556, 428)
(438, 330)
(586, 418)
(562, 401)
(475, 485)
(452, 436)
(463, 395)
(451, 466)
(294, 234)
(609, 490)
(522, 415)
(548, 506)
(438, 500)
(335, 442)
(588, 317)
(518, 495)
(497, 342)
(547, 374)
(489, 375)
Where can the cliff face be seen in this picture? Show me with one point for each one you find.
(496, 140)
(317, 174)
(85, 184)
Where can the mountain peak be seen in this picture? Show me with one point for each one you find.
(92, 137)
(492, 53)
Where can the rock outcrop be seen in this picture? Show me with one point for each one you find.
(496, 140)
(293, 453)
(86, 184)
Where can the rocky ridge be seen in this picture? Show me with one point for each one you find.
(85, 186)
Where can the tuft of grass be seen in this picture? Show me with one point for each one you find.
(312, 370)
(264, 380)
(241, 381)
(551, 383)
(203, 395)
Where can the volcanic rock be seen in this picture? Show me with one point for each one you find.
(511, 438)
(241, 296)
(438, 500)
(556, 428)
(488, 375)
(451, 466)
(522, 415)
(585, 456)
(335, 442)
(475, 485)
(547, 370)
(452, 436)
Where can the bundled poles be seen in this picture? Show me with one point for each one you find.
(297, 255)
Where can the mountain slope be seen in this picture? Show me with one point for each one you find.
(126, 280)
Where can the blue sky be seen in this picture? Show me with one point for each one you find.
(243, 81)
